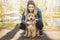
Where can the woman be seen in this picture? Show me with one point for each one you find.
(31, 8)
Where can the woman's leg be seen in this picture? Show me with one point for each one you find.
(22, 26)
(39, 26)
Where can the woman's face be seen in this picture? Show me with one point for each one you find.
(31, 8)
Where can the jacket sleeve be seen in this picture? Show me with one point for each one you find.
(39, 14)
(23, 17)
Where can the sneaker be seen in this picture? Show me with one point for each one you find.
(41, 32)
(23, 34)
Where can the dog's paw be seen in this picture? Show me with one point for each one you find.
(33, 36)
(28, 36)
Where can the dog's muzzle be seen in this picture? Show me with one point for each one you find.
(30, 18)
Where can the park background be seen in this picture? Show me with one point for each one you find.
(11, 13)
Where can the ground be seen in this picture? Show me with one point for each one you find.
(15, 34)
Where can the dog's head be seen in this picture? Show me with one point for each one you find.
(30, 17)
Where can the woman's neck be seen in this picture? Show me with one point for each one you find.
(31, 12)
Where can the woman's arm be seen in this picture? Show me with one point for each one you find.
(39, 14)
(23, 17)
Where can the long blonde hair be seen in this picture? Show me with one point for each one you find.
(35, 8)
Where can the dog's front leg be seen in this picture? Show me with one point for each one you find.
(29, 33)
(34, 32)
(38, 32)
(26, 32)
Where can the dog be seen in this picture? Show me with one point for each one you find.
(31, 30)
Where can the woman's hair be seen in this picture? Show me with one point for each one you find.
(35, 8)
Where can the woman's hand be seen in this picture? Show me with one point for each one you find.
(36, 19)
(28, 22)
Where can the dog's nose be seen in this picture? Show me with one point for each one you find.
(30, 18)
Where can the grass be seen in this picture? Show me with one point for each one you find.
(7, 24)
(53, 15)
(1, 24)
(51, 27)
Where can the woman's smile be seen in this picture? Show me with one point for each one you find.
(31, 8)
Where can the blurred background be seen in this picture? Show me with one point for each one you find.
(11, 12)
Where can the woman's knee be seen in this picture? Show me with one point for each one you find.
(39, 24)
(22, 26)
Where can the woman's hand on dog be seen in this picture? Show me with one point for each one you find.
(28, 22)
(36, 19)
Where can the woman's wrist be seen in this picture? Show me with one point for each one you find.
(36, 19)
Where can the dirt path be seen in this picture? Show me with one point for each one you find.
(14, 34)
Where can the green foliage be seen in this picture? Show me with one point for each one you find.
(0, 10)
(7, 24)
(10, 24)
(21, 9)
(1, 24)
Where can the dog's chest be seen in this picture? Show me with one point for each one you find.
(29, 26)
